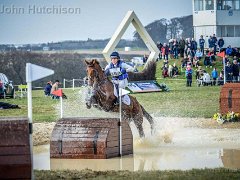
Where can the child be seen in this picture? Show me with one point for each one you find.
(214, 76)
(189, 76)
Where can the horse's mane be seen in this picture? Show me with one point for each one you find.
(148, 73)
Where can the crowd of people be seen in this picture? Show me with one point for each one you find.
(50, 88)
(193, 54)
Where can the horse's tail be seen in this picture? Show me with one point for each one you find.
(148, 117)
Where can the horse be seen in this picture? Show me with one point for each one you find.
(103, 98)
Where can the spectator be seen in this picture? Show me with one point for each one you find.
(211, 56)
(220, 44)
(207, 61)
(190, 54)
(214, 43)
(199, 72)
(201, 44)
(197, 58)
(187, 45)
(54, 88)
(175, 70)
(226, 59)
(165, 51)
(184, 62)
(159, 46)
(193, 46)
(229, 50)
(229, 72)
(170, 45)
(210, 42)
(170, 68)
(235, 52)
(165, 71)
(214, 76)
(235, 69)
(220, 79)
(181, 47)
(47, 89)
(237, 59)
(189, 76)
(175, 49)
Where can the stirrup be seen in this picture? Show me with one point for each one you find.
(116, 103)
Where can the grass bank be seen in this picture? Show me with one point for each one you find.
(181, 101)
(177, 174)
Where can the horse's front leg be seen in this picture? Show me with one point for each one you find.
(88, 104)
(88, 98)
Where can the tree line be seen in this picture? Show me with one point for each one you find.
(65, 65)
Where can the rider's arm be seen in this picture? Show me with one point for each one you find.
(127, 67)
(106, 70)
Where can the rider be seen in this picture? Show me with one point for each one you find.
(118, 69)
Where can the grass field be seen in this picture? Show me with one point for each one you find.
(181, 101)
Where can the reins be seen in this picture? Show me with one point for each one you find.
(98, 82)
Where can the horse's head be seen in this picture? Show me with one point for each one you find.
(94, 72)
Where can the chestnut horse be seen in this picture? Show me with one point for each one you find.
(103, 98)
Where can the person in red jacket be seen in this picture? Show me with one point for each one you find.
(165, 51)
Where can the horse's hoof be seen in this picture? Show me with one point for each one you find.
(153, 131)
(88, 106)
(95, 105)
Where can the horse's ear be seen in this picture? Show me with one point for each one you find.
(95, 61)
(87, 63)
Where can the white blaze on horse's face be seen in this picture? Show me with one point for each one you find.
(91, 76)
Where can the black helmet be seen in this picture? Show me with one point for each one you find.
(115, 55)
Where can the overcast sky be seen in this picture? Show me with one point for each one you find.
(38, 21)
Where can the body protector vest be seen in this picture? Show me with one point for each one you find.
(117, 72)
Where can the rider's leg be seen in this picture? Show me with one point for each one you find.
(123, 84)
(116, 88)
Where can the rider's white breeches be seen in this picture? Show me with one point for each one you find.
(121, 84)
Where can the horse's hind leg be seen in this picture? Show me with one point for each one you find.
(150, 119)
(138, 123)
(151, 122)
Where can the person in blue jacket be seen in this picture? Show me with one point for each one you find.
(47, 89)
(188, 74)
(214, 76)
(201, 44)
(118, 69)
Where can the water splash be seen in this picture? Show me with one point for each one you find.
(184, 132)
(75, 106)
(169, 131)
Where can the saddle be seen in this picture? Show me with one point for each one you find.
(125, 100)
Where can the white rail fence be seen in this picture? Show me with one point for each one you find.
(74, 83)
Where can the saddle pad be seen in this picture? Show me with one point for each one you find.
(126, 100)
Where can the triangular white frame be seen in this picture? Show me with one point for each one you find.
(131, 17)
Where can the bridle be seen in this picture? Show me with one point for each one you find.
(94, 78)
